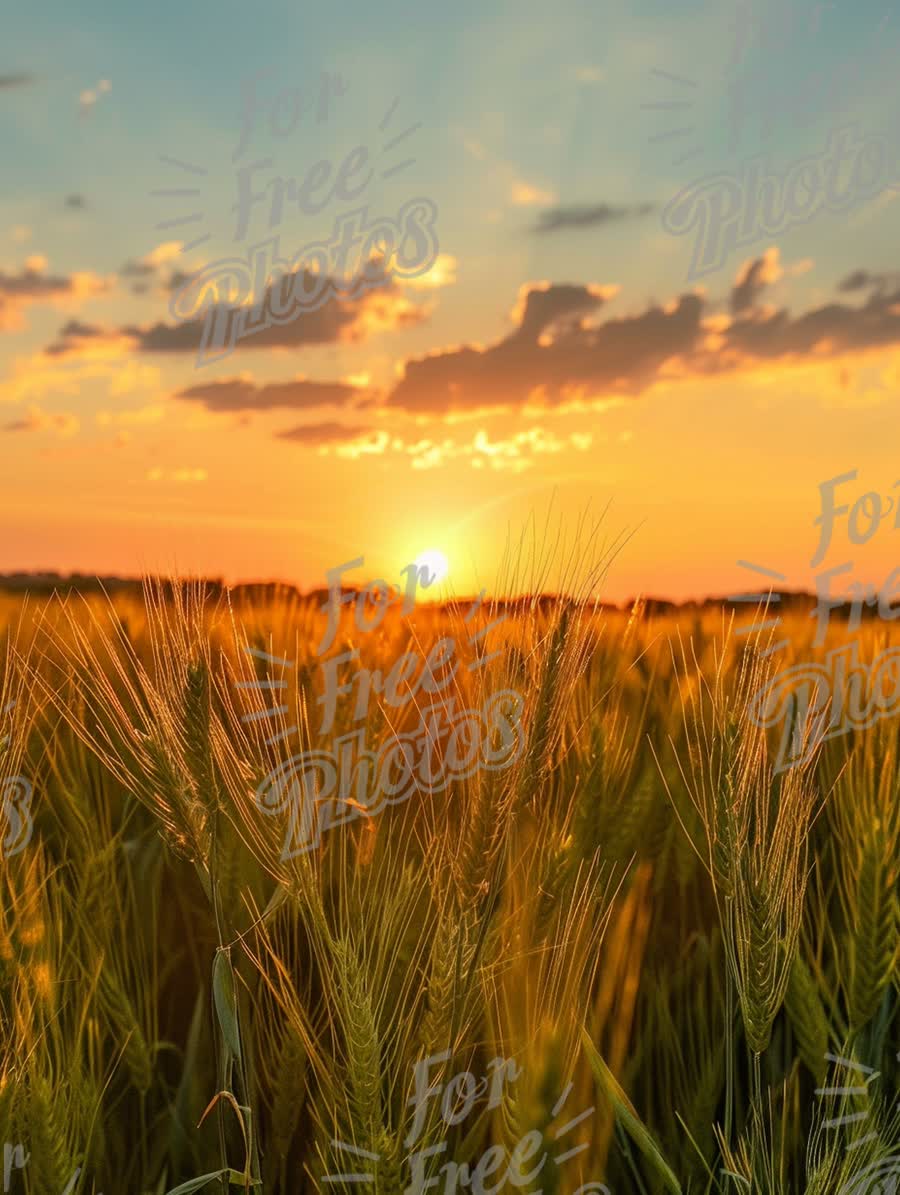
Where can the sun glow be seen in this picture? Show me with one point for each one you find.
(435, 563)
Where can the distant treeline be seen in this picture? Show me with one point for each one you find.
(45, 584)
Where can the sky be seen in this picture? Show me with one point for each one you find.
(636, 261)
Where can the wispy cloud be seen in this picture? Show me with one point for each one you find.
(590, 215)
(752, 279)
(242, 394)
(321, 434)
(514, 453)
(8, 82)
(35, 420)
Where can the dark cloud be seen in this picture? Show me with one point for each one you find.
(858, 280)
(560, 348)
(83, 331)
(33, 284)
(318, 434)
(72, 333)
(338, 319)
(238, 394)
(589, 216)
(865, 280)
(326, 325)
(553, 355)
(751, 282)
(138, 269)
(141, 274)
(547, 306)
(834, 327)
(7, 82)
(177, 279)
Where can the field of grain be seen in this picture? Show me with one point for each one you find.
(636, 955)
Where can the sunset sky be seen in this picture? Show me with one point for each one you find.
(559, 353)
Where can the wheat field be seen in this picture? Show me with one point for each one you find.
(677, 966)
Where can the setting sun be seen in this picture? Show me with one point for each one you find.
(436, 564)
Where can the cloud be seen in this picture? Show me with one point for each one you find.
(79, 329)
(555, 353)
(442, 273)
(866, 280)
(36, 420)
(589, 216)
(827, 331)
(143, 271)
(563, 349)
(525, 195)
(543, 306)
(241, 394)
(320, 434)
(32, 282)
(373, 444)
(176, 280)
(565, 345)
(752, 279)
(34, 285)
(76, 203)
(77, 339)
(858, 280)
(8, 82)
(163, 253)
(147, 265)
(514, 453)
(87, 99)
(338, 320)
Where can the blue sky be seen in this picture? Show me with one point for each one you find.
(514, 80)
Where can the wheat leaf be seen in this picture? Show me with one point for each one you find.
(629, 1118)
(226, 1004)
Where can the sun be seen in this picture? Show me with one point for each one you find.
(434, 563)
